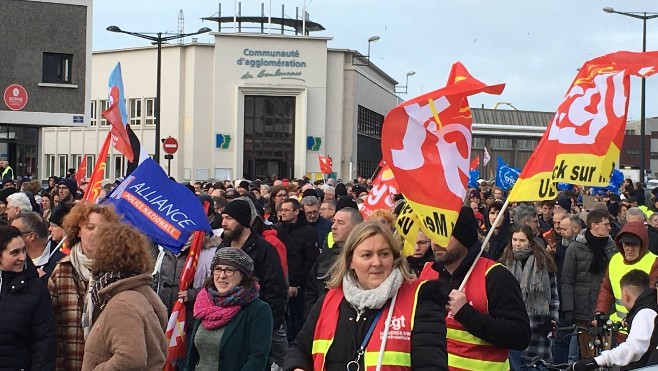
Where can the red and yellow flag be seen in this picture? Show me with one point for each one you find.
(384, 187)
(81, 173)
(94, 189)
(583, 141)
(427, 143)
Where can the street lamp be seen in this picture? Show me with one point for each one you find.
(406, 84)
(158, 40)
(644, 16)
(371, 40)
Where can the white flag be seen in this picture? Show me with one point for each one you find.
(486, 157)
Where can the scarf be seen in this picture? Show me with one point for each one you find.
(93, 299)
(216, 309)
(597, 245)
(81, 263)
(373, 298)
(535, 284)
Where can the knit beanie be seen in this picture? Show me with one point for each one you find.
(69, 183)
(240, 211)
(346, 201)
(58, 214)
(310, 192)
(244, 184)
(565, 203)
(466, 227)
(235, 258)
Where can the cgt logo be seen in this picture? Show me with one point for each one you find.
(397, 323)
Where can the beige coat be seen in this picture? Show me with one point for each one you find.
(129, 332)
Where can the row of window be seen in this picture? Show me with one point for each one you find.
(59, 164)
(136, 115)
(369, 122)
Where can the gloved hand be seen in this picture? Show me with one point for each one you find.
(568, 318)
(585, 365)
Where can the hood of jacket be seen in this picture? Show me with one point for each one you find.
(130, 283)
(637, 229)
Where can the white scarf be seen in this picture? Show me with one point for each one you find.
(81, 263)
(373, 298)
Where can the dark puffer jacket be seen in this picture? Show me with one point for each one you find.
(580, 288)
(27, 323)
(302, 247)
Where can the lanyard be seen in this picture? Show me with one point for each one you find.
(354, 365)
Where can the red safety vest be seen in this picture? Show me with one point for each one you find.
(397, 354)
(465, 351)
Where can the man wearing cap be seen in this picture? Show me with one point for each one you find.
(236, 221)
(632, 244)
(489, 317)
(67, 190)
(563, 203)
(242, 187)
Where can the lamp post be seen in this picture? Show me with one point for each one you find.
(371, 40)
(157, 40)
(406, 84)
(644, 16)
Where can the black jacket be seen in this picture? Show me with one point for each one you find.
(416, 264)
(653, 239)
(646, 300)
(428, 337)
(316, 287)
(267, 268)
(499, 241)
(27, 322)
(302, 247)
(507, 324)
(323, 227)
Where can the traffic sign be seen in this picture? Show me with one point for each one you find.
(15, 97)
(170, 145)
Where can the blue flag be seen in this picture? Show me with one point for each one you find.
(506, 175)
(162, 209)
(616, 179)
(473, 180)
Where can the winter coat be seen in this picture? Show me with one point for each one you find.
(316, 287)
(52, 262)
(267, 268)
(428, 336)
(323, 227)
(580, 288)
(302, 250)
(653, 239)
(416, 264)
(68, 291)
(27, 323)
(606, 298)
(246, 340)
(646, 300)
(499, 241)
(128, 331)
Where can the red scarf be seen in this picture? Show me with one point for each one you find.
(216, 310)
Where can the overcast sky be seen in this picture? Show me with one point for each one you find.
(535, 47)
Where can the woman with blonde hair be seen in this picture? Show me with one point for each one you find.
(68, 284)
(128, 320)
(370, 307)
(384, 217)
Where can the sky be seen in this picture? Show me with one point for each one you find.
(535, 47)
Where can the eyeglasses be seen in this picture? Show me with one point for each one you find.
(423, 243)
(285, 210)
(228, 272)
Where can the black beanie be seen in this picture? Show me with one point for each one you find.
(58, 214)
(346, 201)
(244, 184)
(310, 192)
(341, 190)
(466, 227)
(240, 211)
(71, 184)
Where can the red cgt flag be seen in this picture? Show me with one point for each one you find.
(384, 187)
(82, 170)
(325, 164)
(583, 141)
(427, 143)
(475, 163)
(94, 189)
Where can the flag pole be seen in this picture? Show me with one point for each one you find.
(484, 243)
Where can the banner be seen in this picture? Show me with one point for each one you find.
(474, 163)
(93, 192)
(506, 175)
(486, 158)
(325, 164)
(473, 177)
(427, 143)
(583, 140)
(162, 209)
(407, 225)
(384, 187)
(81, 173)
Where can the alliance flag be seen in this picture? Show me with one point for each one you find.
(506, 175)
(427, 143)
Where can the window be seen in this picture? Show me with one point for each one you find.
(150, 111)
(104, 106)
(479, 143)
(499, 143)
(91, 163)
(57, 68)
(526, 144)
(94, 113)
(77, 160)
(107, 167)
(63, 164)
(118, 166)
(50, 165)
(369, 122)
(135, 111)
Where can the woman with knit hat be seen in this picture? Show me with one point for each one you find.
(233, 328)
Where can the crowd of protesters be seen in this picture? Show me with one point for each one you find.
(292, 265)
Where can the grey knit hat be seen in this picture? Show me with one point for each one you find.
(235, 258)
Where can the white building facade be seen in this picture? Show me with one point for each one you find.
(249, 105)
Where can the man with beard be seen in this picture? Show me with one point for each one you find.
(236, 221)
(489, 317)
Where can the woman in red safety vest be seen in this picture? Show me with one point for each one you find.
(374, 317)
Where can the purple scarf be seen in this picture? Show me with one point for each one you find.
(215, 310)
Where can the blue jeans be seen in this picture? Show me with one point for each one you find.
(565, 345)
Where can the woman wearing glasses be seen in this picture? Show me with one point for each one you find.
(233, 328)
(278, 194)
